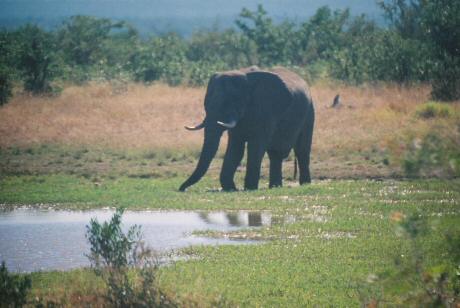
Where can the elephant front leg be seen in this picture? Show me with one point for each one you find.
(256, 151)
(232, 159)
(276, 178)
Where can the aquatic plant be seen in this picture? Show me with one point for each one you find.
(125, 264)
(13, 288)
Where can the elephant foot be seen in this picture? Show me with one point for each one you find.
(251, 187)
(229, 188)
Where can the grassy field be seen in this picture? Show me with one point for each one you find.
(103, 130)
(105, 145)
(344, 232)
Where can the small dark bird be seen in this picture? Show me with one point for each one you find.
(336, 101)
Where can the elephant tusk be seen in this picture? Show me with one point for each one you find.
(230, 125)
(198, 127)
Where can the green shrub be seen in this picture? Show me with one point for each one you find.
(128, 268)
(8, 51)
(200, 72)
(435, 154)
(82, 39)
(6, 86)
(438, 283)
(162, 58)
(434, 110)
(13, 288)
(419, 280)
(228, 47)
(37, 59)
(420, 44)
(110, 246)
(399, 59)
(275, 44)
(446, 79)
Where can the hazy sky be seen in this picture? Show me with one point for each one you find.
(183, 14)
(139, 8)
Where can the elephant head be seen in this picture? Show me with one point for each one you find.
(225, 104)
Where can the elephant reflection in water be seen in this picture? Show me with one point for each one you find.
(237, 219)
(267, 112)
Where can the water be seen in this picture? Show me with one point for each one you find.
(33, 239)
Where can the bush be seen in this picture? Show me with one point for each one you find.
(420, 281)
(13, 288)
(419, 44)
(446, 79)
(432, 30)
(162, 58)
(435, 154)
(124, 264)
(324, 34)
(82, 38)
(399, 59)
(110, 246)
(37, 59)
(274, 43)
(434, 110)
(8, 51)
(200, 72)
(6, 85)
(228, 47)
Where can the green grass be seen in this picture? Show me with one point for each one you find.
(73, 288)
(311, 262)
(306, 263)
(434, 110)
(99, 163)
(95, 162)
(135, 193)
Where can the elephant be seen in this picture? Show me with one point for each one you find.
(266, 111)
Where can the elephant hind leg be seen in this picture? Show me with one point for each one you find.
(302, 151)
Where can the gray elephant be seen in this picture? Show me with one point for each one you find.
(270, 111)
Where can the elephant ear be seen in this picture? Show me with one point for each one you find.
(209, 90)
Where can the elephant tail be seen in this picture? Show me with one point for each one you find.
(295, 168)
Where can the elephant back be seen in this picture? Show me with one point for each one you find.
(281, 78)
(293, 81)
(269, 81)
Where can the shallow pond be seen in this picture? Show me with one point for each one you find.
(34, 239)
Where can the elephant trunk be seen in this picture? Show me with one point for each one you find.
(210, 145)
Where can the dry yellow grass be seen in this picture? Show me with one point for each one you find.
(351, 141)
(140, 117)
(368, 116)
(153, 116)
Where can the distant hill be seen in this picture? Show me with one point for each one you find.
(159, 16)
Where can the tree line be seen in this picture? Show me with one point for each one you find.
(420, 43)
